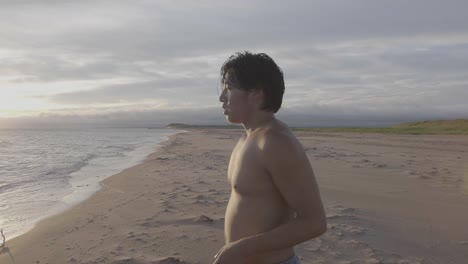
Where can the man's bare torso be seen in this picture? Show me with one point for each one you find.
(255, 205)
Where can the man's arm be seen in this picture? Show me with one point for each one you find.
(289, 167)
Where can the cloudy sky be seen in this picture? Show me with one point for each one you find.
(145, 63)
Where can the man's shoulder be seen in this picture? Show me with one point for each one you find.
(277, 139)
(281, 150)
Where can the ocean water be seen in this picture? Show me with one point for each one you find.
(43, 172)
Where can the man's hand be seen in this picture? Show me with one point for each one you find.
(232, 253)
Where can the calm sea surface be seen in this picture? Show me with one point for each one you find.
(43, 172)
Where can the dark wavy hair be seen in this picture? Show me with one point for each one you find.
(256, 71)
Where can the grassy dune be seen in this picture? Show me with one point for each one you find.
(437, 127)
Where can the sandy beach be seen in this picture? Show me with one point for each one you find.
(389, 199)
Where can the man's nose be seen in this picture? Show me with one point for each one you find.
(222, 97)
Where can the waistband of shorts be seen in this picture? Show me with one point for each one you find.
(293, 260)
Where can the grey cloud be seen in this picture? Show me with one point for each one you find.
(182, 91)
(446, 58)
(50, 68)
(161, 31)
(374, 59)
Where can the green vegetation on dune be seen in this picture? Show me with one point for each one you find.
(437, 127)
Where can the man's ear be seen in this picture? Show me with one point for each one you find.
(258, 95)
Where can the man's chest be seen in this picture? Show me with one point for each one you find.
(246, 172)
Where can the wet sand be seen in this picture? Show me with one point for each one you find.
(389, 199)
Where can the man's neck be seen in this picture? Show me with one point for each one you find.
(258, 120)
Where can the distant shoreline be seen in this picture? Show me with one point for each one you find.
(435, 127)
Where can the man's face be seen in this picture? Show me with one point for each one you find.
(236, 102)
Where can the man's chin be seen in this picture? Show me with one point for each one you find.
(232, 120)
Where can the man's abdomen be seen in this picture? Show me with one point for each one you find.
(253, 215)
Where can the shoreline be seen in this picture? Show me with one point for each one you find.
(40, 228)
(384, 202)
(88, 193)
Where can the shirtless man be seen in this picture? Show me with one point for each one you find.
(275, 202)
